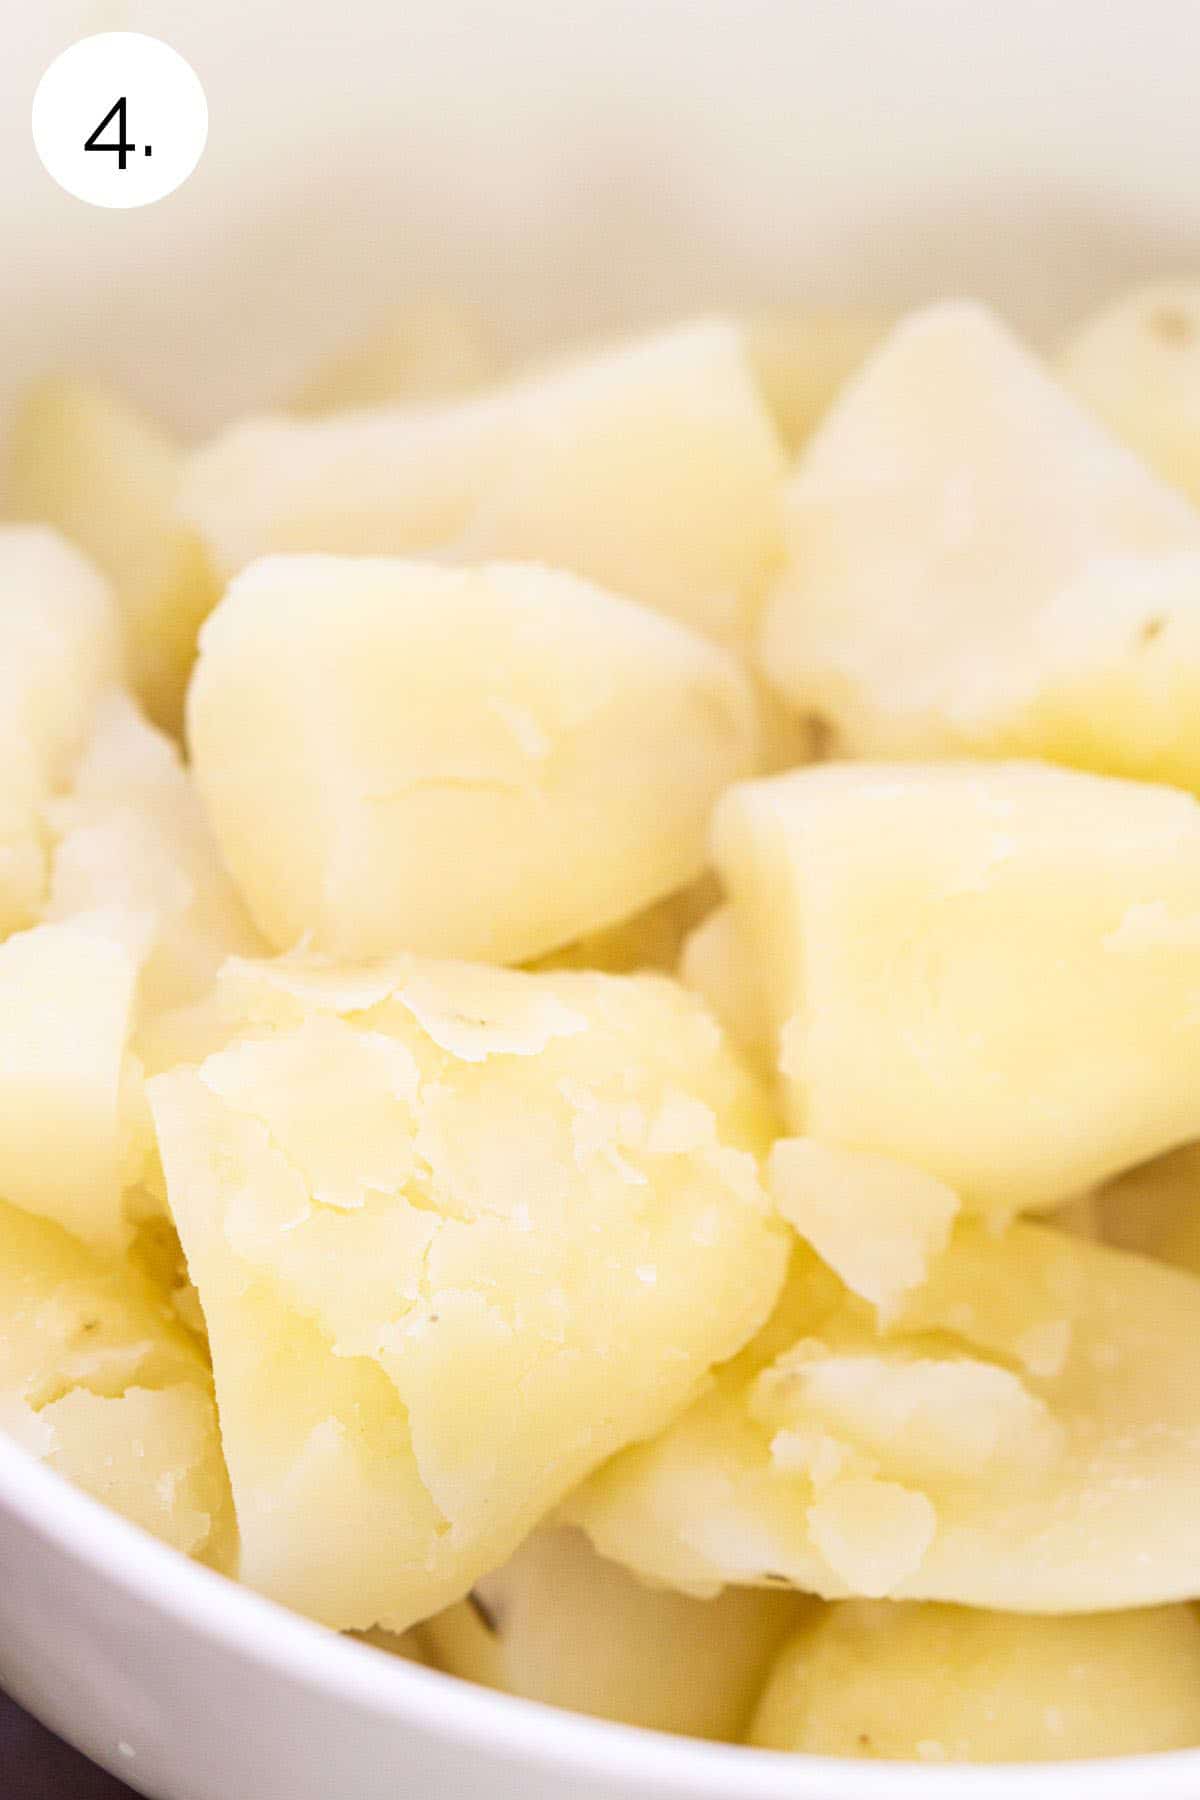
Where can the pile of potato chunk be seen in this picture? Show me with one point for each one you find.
(600, 1006)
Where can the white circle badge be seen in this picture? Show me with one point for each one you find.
(120, 119)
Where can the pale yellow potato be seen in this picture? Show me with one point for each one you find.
(485, 763)
(941, 1684)
(652, 469)
(99, 1381)
(59, 652)
(989, 970)
(561, 1625)
(66, 1008)
(131, 842)
(155, 1251)
(1155, 1209)
(459, 1233)
(1136, 364)
(140, 915)
(877, 1223)
(803, 359)
(419, 352)
(717, 964)
(1024, 1433)
(974, 565)
(86, 461)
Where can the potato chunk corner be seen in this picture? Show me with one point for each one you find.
(974, 566)
(87, 462)
(561, 1625)
(66, 1004)
(482, 763)
(132, 845)
(140, 916)
(1024, 1434)
(1136, 364)
(459, 1234)
(59, 651)
(943, 1684)
(652, 469)
(98, 1380)
(991, 971)
(876, 1222)
(420, 352)
(717, 963)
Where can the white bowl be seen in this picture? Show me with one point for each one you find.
(568, 164)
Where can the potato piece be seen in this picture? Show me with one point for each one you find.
(66, 1002)
(421, 352)
(1023, 1433)
(485, 763)
(99, 1381)
(652, 469)
(150, 1456)
(1136, 364)
(876, 1222)
(716, 964)
(803, 359)
(942, 1684)
(991, 971)
(389, 481)
(559, 1624)
(974, 565)
(133, 866)
(132, 841)
(1155, 1210)
(87, 462)
(459, 1234)
(59, 651)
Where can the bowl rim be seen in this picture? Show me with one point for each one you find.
(185, 1594)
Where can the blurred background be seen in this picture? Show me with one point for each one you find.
(575, 165)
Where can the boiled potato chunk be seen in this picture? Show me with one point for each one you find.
(420, 352)
(132, 843)
(459, 1234)
(483, 763)
(86, 461)
(942, 1684)
(975, 566)
(98, 1380)
(652, 469)
(716, 963)
(141, 901)
(876, 1222)
(1136, 365)
(802, 359)
(59, 652)
(991, 971)
(66, 1005)
(561, 1625)
(1023, 1433)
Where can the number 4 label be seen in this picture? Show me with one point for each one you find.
(91, 100)
(121, 147)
